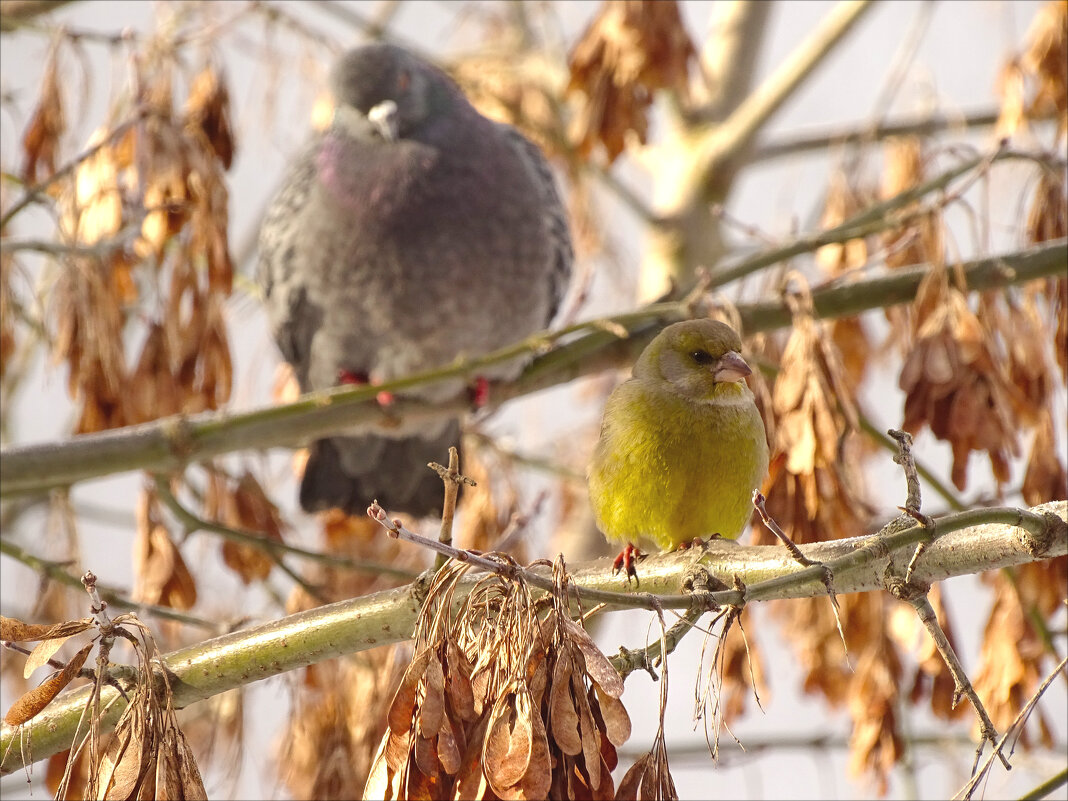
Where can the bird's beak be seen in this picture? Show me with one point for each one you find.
(731, 367)
(384, 119)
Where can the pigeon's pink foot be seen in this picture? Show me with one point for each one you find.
(480, 392)
(359, 379)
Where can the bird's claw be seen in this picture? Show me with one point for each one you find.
(626, 560)
(479, 391)
(349, 377)
(359, 379)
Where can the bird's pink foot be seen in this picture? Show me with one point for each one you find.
(359, 379)
(479, 392)
(626, 561)
(349, 377)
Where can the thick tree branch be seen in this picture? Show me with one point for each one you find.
(215, 666)
(729, 56)
(16, 13)
(730, 139)
(695, 165)
(171, 443)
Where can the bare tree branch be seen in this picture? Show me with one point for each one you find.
(850, 135)
(14, 14)
(729, 56)
(697, 165)
(170, 443)
(215, 666)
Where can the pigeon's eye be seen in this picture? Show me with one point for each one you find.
(404, 80)
(702, 357)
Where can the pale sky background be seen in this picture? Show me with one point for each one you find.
(954, 71)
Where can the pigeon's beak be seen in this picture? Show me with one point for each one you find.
(384, 118)
(731, 367)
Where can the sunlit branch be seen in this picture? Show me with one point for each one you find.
(170, 443)
(968, 542)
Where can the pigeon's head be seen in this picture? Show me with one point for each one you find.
(387, 87)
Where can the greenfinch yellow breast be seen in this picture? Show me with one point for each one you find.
(682, 443)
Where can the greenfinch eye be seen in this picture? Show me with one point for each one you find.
(702, 357)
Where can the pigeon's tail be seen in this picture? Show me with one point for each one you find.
(350, 472)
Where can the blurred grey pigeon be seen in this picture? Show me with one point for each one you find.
(410, 232)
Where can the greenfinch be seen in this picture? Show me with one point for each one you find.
(682, 443)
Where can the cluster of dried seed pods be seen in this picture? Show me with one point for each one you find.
(501, 701)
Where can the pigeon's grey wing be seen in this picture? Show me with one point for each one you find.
(282, 271)
(554, 214)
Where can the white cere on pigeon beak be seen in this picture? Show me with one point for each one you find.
(731, 367)
(384, 119)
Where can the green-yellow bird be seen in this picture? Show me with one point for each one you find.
(682, 443)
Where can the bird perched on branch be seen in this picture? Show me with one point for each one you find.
(682, 443)
(411, 232)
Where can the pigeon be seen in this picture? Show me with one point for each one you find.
(411, 232)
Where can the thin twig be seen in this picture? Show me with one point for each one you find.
(962, 685)
(822, 141)
(873, 219)
(912, 501)
(99, 605)
(915, 594)
(736, 133)
(452, 479)
(1046, 788)
(18, 13)
(195, 523)
(1014, 728)
(495, 564)
(774, 528)
(826, 573)
(877, 435)
(114, 596)
(701, 583)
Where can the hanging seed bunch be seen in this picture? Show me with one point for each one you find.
(952, 381)
(504, 699)
(145, 220)
(148, 755)
(629, 50)
(813, 492)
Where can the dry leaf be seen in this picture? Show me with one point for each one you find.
(1045, 479)
(40, 141)
(1044, 59)
(630, 49)
(952, 383)
(1048, 216)
(14, 630)
(161, 573)
(597, 665)
(506, 752)
(246, 507)
(40, 655)
(1010, 662)
(563, 716)
(207, 113)
(516, 85)
(875, 744)
(499, 732)
(41, 696)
